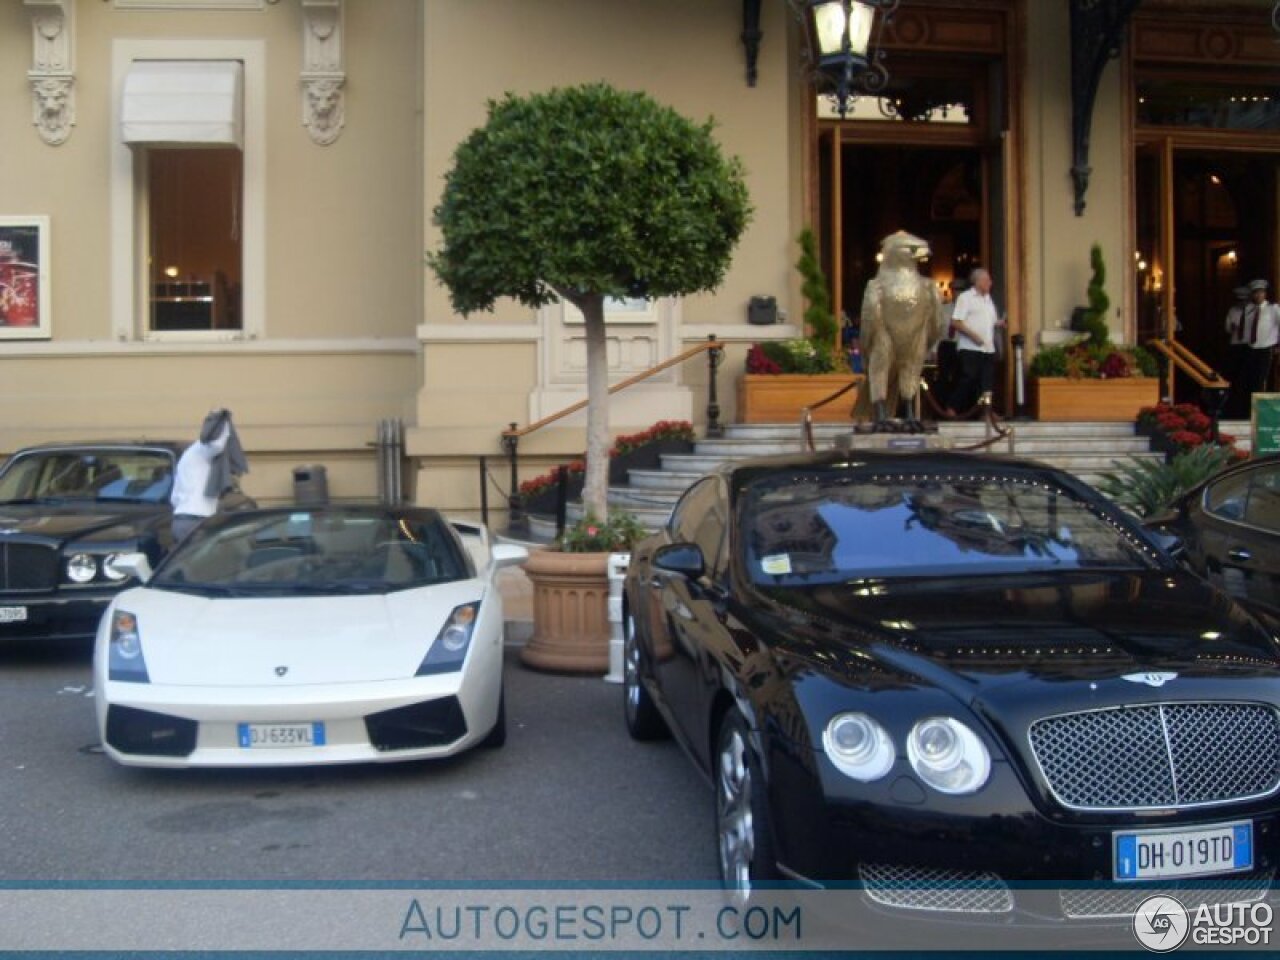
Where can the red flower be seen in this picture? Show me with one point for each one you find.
(1185, 438)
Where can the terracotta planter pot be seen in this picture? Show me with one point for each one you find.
(1119, 400)
(570, 612)
(779, 398)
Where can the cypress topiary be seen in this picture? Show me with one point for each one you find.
(1095, 318)
(818, 318)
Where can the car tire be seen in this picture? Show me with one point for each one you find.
(644, 722)
(744, 839)
(497, 736)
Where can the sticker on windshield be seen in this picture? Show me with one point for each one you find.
(777, 565)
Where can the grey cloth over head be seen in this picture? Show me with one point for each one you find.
(230, 462)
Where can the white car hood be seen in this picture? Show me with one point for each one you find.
(273, 641)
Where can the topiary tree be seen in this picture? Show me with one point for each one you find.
(818, 318)
(1095, 318)
(586, 193)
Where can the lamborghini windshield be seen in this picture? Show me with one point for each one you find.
(332, 550)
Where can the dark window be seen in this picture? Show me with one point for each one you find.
(194, 209)
(699, 518)
(1252, 497)
(830, 528)
(1214, 106)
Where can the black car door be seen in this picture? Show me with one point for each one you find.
(689, 612)
(1237, 533)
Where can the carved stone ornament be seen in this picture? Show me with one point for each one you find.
(324, 76)
(52, 74)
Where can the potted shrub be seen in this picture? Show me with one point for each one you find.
(571, 595)
(785, 376)
(1091, 378)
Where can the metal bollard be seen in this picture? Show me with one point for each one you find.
(618, 563)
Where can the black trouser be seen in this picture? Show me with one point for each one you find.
(1238, 374)
(1258, 369)
(977, 376)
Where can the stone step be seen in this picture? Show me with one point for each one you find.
(629, 498)
(1115, 445)
(741, 449)
(1033, 429)
(662, 479)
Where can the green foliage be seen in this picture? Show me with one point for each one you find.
(1148, 365)
(1050, 362)
(1095, 318)
(617, 534)
(818, 318)
(1150, 487)
(586, 190)
(799, 356)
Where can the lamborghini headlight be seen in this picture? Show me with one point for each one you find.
(125, 660)
(453, 641)
(948, 756)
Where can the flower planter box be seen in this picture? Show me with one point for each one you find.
(570, 612)
(1118, 400)
(779, 398)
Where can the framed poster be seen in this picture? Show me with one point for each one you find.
(24, 278)
(1266, 423)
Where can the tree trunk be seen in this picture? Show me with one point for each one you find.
(595, 489)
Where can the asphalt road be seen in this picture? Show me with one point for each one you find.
(570, 798)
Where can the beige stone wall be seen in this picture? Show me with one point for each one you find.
(476, 50)
(343, 253)
(1058, 242)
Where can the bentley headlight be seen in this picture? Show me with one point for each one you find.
(82, 567)
(111, 571)
(858, 746)
(948, 756)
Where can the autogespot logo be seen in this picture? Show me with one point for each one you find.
(1161, 924)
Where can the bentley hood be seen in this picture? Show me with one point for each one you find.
(1119, 637)
(55, 525)
(272, 641)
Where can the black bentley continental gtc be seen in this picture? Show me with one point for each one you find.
(67, 512)
(941, 678)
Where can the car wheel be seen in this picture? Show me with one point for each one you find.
(742, 810)
(643, 720)
(498, 735)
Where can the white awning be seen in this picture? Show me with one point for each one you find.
(184, 103)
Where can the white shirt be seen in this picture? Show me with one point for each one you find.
(978, 312)
(1235, 324)
(1268, 325)
(191, 476)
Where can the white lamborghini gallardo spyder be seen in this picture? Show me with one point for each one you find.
(301, 635)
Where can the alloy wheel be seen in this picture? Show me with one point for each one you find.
(631, 667)
(734, 817)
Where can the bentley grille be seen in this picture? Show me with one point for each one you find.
(1160, 755)
(27, 566)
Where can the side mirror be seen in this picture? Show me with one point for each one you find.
(135, 565)
(684, 559)
(507, 555)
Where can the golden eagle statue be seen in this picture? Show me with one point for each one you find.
(901, 321)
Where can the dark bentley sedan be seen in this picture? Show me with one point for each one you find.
(67, 512)
(942, 678)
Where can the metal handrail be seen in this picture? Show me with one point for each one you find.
(710, 344)
(1181, 357)
(510, 438)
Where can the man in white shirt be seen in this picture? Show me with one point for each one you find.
(1260, 329)
(191, 497)
(975, 322)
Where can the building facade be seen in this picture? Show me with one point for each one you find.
(234, 198)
